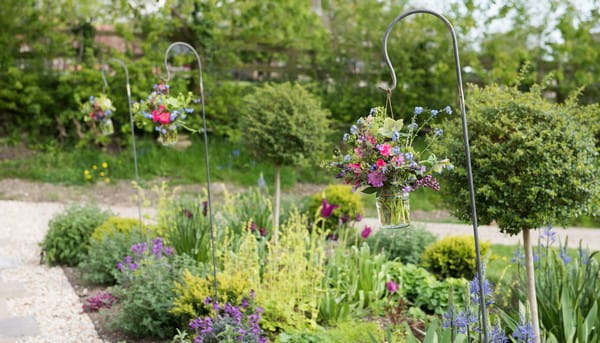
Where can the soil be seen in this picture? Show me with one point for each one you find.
(100, 318)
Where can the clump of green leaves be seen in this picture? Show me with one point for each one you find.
(453, 256)
(68, 236)
(534, 162)
(406, 246)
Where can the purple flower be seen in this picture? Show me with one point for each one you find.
(205, 208)
(524, 333)
(497, 335)
(327, 208)
(187, 213)
(548, 236)
(120, 266)
(252, 227)
(207, 301)
(263, 231)
(344, 219)
(375, 178)
(359, 217)
(487, 291)
(391, 286)
(366, 232)
(564, 257)
(139, 248)
(168, 251)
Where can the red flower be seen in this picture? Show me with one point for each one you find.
(263, 231)
(327, 208)
(380, 163)
(164, 118)
(385, 149)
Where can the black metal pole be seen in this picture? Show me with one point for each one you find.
(461, 99)
(210, 215)
(135, 161)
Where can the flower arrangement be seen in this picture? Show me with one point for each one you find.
(378, 155)
(164, 111)
(99, 109)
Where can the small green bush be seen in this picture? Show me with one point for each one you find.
(113, 226)
(453, 256)
(100, 264)
(68, 236)
(350, 204)
(355, 332)
(406, 245)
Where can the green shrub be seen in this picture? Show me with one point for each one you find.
(100, 264)
(112, 226)
(406, 245)
(423, 290)
(453, 256)
(146, 294)
(350, 205)
(355, 332)
(68, 236)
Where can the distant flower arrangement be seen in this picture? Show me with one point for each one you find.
(165, 112)
(99, 110)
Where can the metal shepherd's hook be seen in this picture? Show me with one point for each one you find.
(210, 216)
(129, 102)
(461, 99)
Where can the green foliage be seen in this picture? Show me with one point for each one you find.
(406, 245)
(99, 266)
(533, 162)
(245, 208)
(567, 290)
(67, 239)
(146, 295)
(423, 290)
(453, 256)
(356, 332)
(354, 280)
(350, 205)
(113, 226)
(291, 281)
(284, 124)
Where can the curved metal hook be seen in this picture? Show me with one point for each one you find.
(102, 68)
(208, 189)
(129, 102)
(461, 100)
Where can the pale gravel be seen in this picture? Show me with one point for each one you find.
(50, 299)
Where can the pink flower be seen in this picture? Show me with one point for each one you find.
(359, 217)
(327, 208)
(391, 286)
(358, 152)
(380, 163)
(366, 232)
(371, 140)
(164, 118)
(375, 178)
(385, 149)
(398, 160)
(355, 167)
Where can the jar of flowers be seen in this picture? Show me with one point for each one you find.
(378, 156)
(167, 113)
(99, 110)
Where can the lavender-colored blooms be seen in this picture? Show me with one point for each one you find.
(564, 257)
(412, 126)
(524, 333)
(487, 291)
(448, 109)
(547, 237)
(375, 178)
(497, 335)
(418, 110)
(434, 113)
(139, 248)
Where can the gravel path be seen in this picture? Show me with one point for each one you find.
(37, 303)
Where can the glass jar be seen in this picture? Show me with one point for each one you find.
(393, 210)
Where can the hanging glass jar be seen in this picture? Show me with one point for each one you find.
(393, 209)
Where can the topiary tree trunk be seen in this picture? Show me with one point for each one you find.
(530, 280)
(276, 203)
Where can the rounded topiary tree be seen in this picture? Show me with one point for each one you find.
(533, 164)
(285, 125)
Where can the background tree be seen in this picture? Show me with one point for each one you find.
(284, 125)
(534, 164)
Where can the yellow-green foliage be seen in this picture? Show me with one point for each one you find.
(291, 287)
(114, 225)
(240, 275)
(350, 203)
(453, 256)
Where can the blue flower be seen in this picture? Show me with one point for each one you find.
(474, 290)
(437, 131)
(409, 156)
(450, 166)
(524, 333)
(498, 336)
(564, 257)
(147, 115)
(236, 152)
(188, 110)
(412, 126)
(164, 131)
(92, 99)
(548, 236)
(396, 150)
(197, 100)
(345, 138)
(173, 116)
(359, 121)
(448, 109)
(261, 182)
(418, 110)
(518, 257)
(347, 158)
(434, 113)
(395, 136)
(353, 129)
